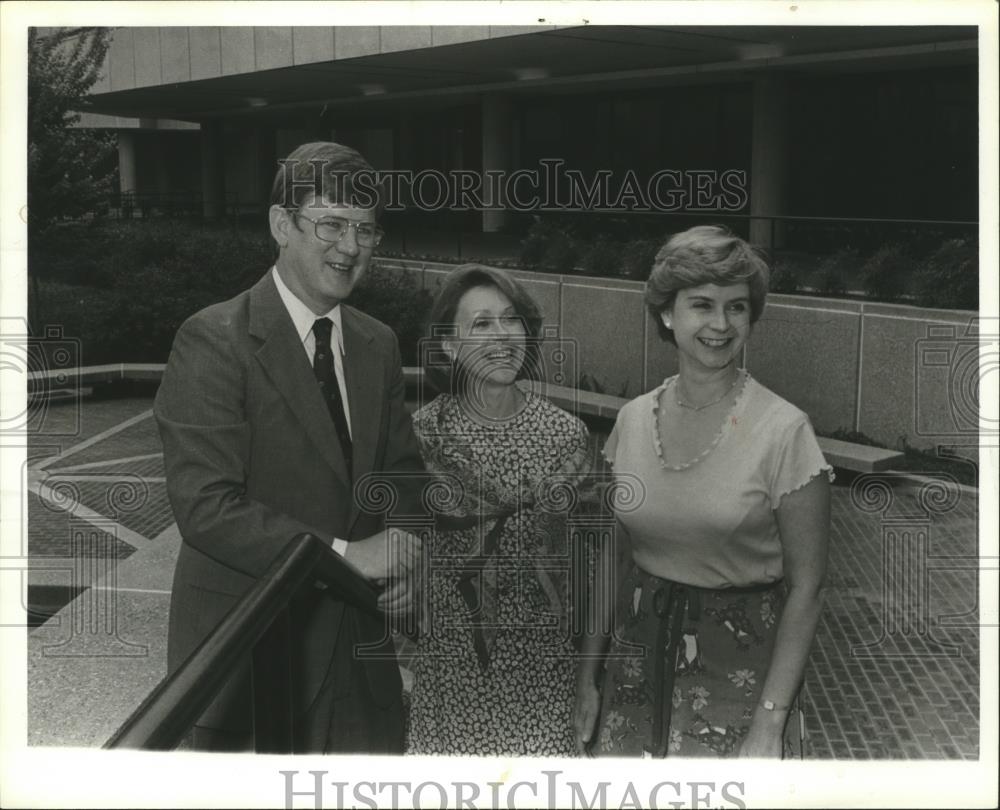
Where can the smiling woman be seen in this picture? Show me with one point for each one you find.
(493, 672)
(489, 341)
(479, 310)
(710, 324)
(729, 546)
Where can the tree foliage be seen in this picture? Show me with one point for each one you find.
(69, 168)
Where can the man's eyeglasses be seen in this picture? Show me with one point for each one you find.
(333, 229)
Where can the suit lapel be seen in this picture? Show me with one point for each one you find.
(285, 362)
(364, 373)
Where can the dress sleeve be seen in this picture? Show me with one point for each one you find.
(577, 461)
(797, 461)
(577, 467)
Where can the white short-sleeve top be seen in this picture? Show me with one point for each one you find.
(711, 522)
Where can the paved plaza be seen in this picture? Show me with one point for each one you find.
(894, 672)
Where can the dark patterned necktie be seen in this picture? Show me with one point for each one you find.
(326, 376)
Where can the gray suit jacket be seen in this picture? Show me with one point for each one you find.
(252, 460)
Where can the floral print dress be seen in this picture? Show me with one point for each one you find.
(720, 660)
(494, 666)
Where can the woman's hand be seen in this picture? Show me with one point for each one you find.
(585, 713)
(765, 738)
(804, 525)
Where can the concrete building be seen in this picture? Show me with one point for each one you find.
(835, 121)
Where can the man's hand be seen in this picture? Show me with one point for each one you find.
(392, 558)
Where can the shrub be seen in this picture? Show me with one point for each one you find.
(886, 273)
(558, 245)
(602, 258)
(534, 244)
(588, 382)
(144, 326)
(217, 258)
(74, 253)
(106, 254)
(166, 271)
(835, 269)
(949, 278)
(637, 258)
(83, 313)
(549, 247)
(163, 272)
(784, 277)
(395, 299)
(560, 253)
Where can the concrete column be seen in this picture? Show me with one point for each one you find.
(769, 159)
(497, 153)
(126, 162)
(213, 174)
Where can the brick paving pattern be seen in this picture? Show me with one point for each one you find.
(50, 534)
(894, 671)
(135, 440)
(68, 422)
(879, 684)
(133, 502)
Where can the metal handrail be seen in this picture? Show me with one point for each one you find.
(171, 709)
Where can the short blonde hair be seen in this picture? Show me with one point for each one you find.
(705, 254)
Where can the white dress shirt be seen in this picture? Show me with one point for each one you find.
(303, 318)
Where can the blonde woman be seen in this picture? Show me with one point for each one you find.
(720, 603)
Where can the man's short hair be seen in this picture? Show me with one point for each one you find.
(329, 171)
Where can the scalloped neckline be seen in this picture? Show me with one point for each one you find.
(723, 430)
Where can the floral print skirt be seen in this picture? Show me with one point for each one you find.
(718, 644)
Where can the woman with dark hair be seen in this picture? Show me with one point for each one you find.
(494, 666)
(719, 604)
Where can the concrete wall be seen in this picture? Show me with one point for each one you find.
(892, 372)
(141, 57)
(809, 346)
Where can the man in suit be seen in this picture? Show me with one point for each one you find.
(273, 404)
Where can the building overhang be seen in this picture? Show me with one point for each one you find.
(562, 60)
